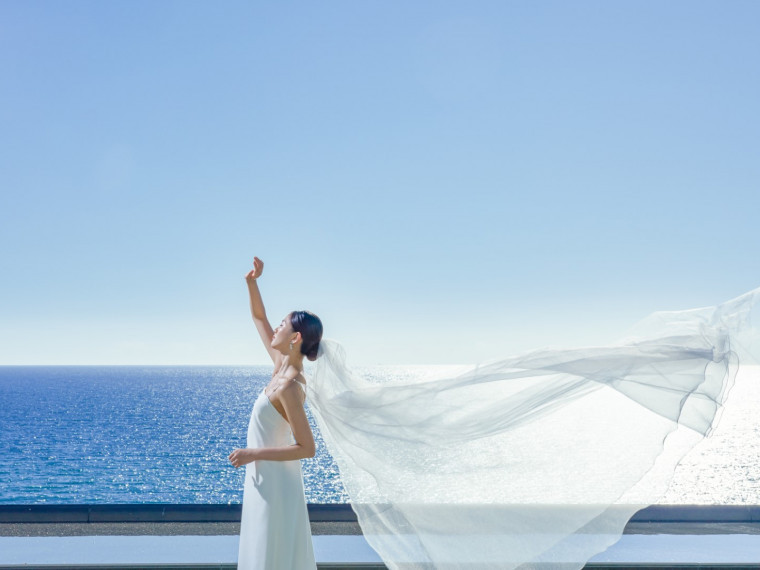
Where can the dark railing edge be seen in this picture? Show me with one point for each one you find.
(318, 512)
(153, 512)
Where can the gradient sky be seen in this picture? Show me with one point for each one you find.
(442, 182)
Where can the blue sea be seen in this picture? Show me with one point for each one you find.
(162, 434)
(137, 434)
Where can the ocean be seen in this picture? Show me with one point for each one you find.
(162, 434)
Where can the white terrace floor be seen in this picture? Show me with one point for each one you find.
(349, 551)
(206, 536)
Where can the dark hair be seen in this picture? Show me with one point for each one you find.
(310, 327)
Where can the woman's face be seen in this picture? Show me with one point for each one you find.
(282, 335)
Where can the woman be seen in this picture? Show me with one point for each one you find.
(536, 460)
(274, 529)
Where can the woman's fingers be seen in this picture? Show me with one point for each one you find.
(240, 457)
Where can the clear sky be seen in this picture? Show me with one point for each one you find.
(442, 182)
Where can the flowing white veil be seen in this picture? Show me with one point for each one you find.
(536, 460)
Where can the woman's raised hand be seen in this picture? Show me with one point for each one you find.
(255, 273)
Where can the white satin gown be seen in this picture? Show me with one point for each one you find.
(274, 528)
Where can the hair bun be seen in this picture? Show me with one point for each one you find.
(310, 327)
(312, 353)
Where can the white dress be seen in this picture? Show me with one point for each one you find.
(274, 529)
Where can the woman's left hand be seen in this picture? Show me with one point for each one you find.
(240, 457)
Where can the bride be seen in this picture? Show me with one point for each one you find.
(274, 529)
(532, 461)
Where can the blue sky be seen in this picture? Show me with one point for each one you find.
(442, 182)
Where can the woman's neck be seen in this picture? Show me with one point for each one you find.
(291, 361)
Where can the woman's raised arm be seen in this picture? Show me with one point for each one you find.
(257, 309)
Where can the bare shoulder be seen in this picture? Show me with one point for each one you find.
(297, 384)
(293, 387)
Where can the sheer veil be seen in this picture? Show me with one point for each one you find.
(538, 459)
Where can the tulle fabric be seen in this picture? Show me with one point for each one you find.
(537, 460)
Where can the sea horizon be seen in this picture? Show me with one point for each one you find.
(158, 433)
